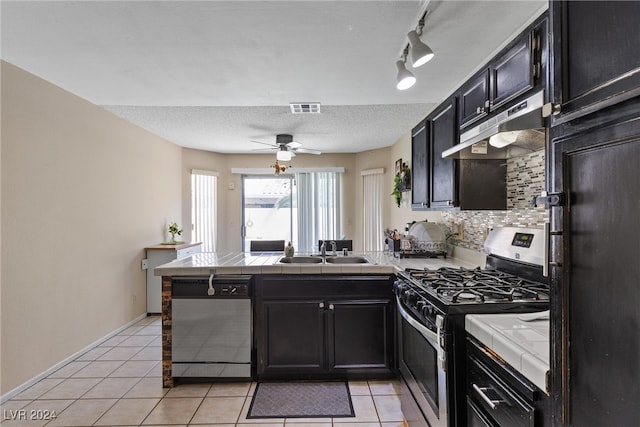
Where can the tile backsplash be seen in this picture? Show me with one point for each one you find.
(525, 179)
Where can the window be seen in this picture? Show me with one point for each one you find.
(267, 211)
(318, 206)
(373, 187)
(204, 208)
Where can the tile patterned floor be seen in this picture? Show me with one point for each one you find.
(119, 383)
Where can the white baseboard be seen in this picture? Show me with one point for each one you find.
(71, 358)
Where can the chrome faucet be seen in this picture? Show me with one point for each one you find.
(333, 248)
(323, 251)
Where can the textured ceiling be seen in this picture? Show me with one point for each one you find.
(215, 75)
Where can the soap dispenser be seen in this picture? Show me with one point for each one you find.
(288, 251)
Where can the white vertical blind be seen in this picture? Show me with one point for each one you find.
(204, 208)
(318, 205)
(373, 187)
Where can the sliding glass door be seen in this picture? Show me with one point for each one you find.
(268, 209)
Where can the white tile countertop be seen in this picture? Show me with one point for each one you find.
(267, 263)
(522, 344)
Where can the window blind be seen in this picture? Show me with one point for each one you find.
(204, 208)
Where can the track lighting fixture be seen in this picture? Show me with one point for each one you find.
(420, 54)
(405, 78)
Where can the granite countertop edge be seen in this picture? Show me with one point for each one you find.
(267, 263)
(523, 345)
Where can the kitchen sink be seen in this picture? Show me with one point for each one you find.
(317, 259)
(300, 260)
(347, 260)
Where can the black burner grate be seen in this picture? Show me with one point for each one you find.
(462, 285)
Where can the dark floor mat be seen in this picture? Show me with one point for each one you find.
(301, 400)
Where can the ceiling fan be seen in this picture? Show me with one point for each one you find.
(286, 147)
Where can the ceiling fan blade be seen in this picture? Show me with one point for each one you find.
(264, 150)
(265, 143)
(308, 151)
(294, 145)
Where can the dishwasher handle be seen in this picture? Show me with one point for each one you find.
(211, 287)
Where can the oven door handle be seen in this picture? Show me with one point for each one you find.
(429, 335)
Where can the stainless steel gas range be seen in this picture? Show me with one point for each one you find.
(431, 308)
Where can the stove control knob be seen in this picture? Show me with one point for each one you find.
(420, 305)
(409, 297)
(427, 310)
(405, 295)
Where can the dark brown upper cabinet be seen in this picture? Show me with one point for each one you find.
(596, 56)
(420, 166)
(514, 73)
(474, 99)
(445, 183)
(444, 135)
(518, 68)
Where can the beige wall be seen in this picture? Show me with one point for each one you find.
(83, 192)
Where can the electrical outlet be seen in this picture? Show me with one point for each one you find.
(461, 231)
(145, 264)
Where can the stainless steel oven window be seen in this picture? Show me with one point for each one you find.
(422, 366)
(422, 361)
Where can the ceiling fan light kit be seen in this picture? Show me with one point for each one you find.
(286, 148)
(283, 154)
(419, 52)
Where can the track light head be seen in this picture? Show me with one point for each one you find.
(420, 52)
(405, 78)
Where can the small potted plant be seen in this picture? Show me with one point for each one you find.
(173, 230)
(397, 190)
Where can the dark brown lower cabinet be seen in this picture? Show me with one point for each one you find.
(359, 335)
(323, 327)
(499, 396)
(293, 337)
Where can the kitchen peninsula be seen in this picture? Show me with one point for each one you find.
(333, 307)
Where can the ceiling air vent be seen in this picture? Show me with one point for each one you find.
(305, 107)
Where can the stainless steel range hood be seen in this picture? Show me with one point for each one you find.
(524, 123)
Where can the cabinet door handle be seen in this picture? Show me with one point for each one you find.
(321, 305)
(550, 109)
(480, 390)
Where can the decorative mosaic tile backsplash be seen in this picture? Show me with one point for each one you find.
(525, 179)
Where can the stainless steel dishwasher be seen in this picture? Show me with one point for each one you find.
(211, 327)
